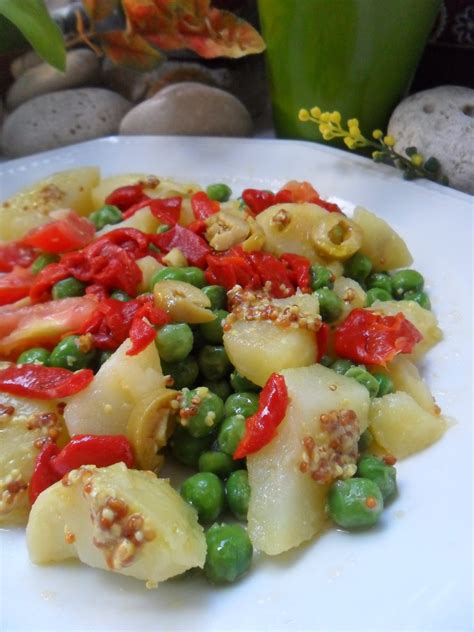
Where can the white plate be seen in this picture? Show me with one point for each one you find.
(412, 572)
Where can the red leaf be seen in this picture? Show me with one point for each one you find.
(130, 50)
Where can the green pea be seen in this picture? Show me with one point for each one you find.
(237, 491)
(194, 276)
(326, 361)
(231, 432)
(365, 441)
(229, 553)
(202, 411)
(71, 354)
(108, 214)
(163, 228)
(242, 403)
(241, 383)
(103, 356)
(365, 378)
(205, 492)
(184, 373)
(220, 387)
(213, 362)
(67, 288)
(167, 274)
(381, 280)
(219, 463)
(219, 192)
(376, 294)
(358, 267)
(386, 384)
(321, 277)
(212, 331)
(330, 305)
(383, 475)
(35, 355)
(119, 295)
(217, 295)
(406, 280)
(174, 341)
(355, 502)
(42, 261)
(341, 366)
(419, 297)
(187, 449)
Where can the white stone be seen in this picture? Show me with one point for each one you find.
(62, 118)
(82, 68)
(189, 108)
(439, 122)
(24, 62)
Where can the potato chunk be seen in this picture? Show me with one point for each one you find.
(116, 519)
(24, 425)
(380, 242)
(351, 293)
(257, 348)
(407, 378)
(104, 407)
(287, 505)
(32, 205)
(401, 426)
(424, 320)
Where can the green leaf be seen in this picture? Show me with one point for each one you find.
(33, 20)
(411, 151)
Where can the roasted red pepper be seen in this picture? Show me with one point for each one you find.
(15, 285)
(229, 270)
(304, 192)
(194, 247)
(258, 200)
(167, 210)
(273, 271)
(15, 254)
(62, 235)
(203, 207)
(371, 338)
(44, 280)
(299, 268)
(126, 196)
(43, 382)
(100, 450)
(261, 427)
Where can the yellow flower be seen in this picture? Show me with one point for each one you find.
(325, 117)
(354, 132)
(303, 115)
(315, 112)
(324, 127)
(416, 160)
(328, 135)
(350, 142)
(353, 123)
(389, 141)
(377, 134)
(335, 117)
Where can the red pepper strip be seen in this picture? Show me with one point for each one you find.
(141, 334)
(261, 427)
(98, 291)
(15, 254)
(15, 285)
(203, 207)
(43, 474)
(125, 197)
(132, 240)
(299, 268)
(371, 338)
(43, 382)
(258, 200)
(230, 270)
(45, 280)
(322, 341)
(198, 226)
(301, 191)
(272, 270)
(69, 233)
(99, 450)
(329, 206)
(167, 210)
(194, 247)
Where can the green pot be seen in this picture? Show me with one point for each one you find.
(354, 56)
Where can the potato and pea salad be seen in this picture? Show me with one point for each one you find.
(264, 342)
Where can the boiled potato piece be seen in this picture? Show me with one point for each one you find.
(257, 348)
(287, 507)
(407, 378)
(351, 293)
(424, 320)
(385, 248)
(104, 407)
(154, 186)
(401, 426)
(24, 425)
(143, 220)
(289, 228)
(31, 206)
(149, 267)
(117, 519)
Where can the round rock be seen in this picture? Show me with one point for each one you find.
(191, 109)
(62, 118)
(82, 68)
(439, 122)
